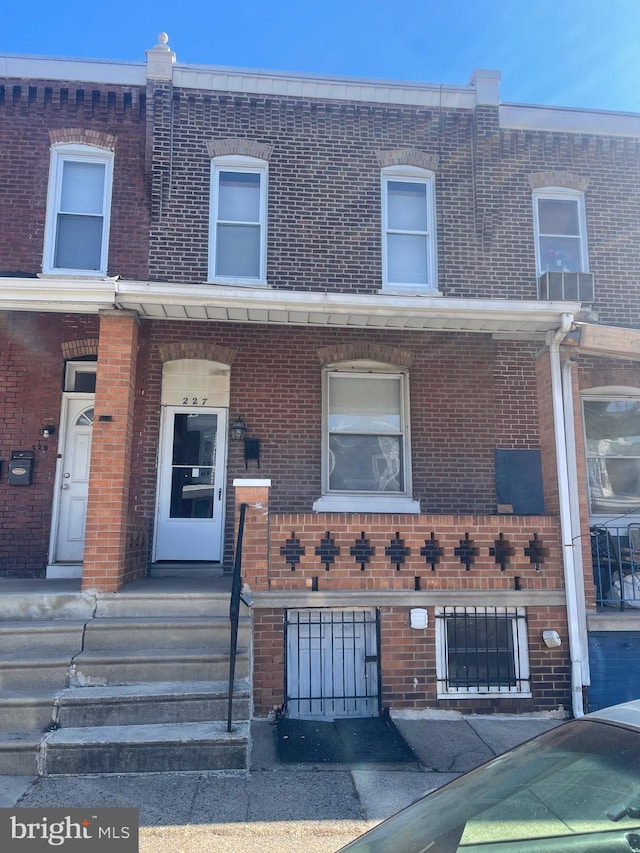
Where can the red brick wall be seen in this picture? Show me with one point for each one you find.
(29, 112)
(408, 665)
(324, 194)
(30, 397)
(456, 387)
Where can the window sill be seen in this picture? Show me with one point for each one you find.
(366, 503)
(408, 290)
(238, 282)
(485, 694)
(80, 275)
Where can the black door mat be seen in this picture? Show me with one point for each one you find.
(346, 741)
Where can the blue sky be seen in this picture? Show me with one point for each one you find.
(577, 53)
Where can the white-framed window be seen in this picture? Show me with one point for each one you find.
(366, 454)
(408, 229)
(481, 651)
(238, 220)
(612, 442)
(560, 230)
(80, 376)
(78, 210)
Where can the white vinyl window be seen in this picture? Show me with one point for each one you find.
(612, 440)
(560, 231)
(78, 210)
(238, 238)
(481, 650)
(408, 226)
(366, 443)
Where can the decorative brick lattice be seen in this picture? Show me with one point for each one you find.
(327, 550)
(396, 551)
(536, 552)
(466, 552)
(362, 551)
(292, 550)
(431, 551)
(501, 552)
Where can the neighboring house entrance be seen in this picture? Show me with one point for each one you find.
(72, 481)
(332, 665)
(191, 477)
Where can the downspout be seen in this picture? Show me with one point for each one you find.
(575, 651)
(574, 499)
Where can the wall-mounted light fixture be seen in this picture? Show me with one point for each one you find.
(238, 429)
(48, 430)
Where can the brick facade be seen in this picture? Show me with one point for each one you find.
(473, 388)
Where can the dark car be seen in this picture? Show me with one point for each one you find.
(574, 789)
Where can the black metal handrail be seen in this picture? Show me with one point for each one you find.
(234, 611)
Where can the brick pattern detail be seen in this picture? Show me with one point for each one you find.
(408, 157)
(83, 136)
(239, 146)
(540, 180)
(77, 349)
(115, 542)
(366, 350)
(398, 552)
(196, 349)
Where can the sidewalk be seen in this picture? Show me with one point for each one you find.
(278, 808)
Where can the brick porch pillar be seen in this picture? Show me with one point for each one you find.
(107, 510)
(255, 546)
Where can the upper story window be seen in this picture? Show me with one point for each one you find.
(78, 210)
(238, 238)
(560, 231)
(612, 440)
(408, 226)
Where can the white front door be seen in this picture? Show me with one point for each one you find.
(70, 505)
(191, 478)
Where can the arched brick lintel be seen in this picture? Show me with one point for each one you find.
(367, 351)
(196, 349)
(77, 349)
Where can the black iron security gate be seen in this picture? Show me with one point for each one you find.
(332, 664)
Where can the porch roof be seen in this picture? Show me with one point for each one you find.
(240, 304)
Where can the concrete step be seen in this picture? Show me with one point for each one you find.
(145, 749)
(20, 671)
(148, 665)
(50, 637)
(127, 603)
(147, 632)
(28, 710)
(143, 704)
(19, 752)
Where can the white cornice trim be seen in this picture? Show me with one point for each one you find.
(274, 83)
(564, 120)
(80, 70)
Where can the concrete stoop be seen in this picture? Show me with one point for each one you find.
(124, 692)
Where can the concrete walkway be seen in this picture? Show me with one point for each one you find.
(278, 808)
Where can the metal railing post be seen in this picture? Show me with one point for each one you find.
(234, 611)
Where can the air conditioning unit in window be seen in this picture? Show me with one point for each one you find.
(573, 286)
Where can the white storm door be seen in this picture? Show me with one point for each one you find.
(73, 481)
(191, 472)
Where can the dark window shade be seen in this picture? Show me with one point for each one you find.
(519, 481)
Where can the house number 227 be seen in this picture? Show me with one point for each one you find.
(194, 401)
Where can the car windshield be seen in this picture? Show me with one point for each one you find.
(576, 788)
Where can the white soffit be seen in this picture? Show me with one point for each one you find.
(224, 303)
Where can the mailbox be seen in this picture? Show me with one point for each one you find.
(21, 467)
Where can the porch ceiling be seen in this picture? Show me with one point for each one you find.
(232, 304)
